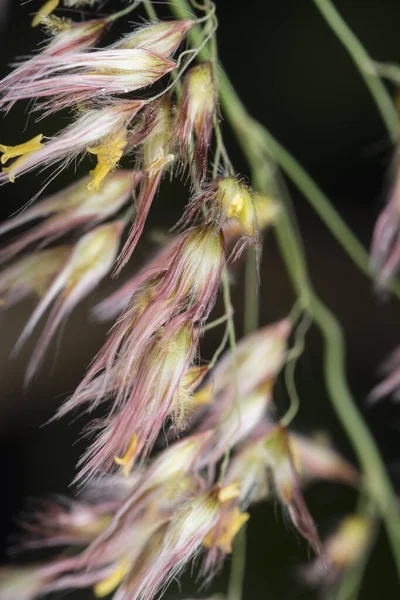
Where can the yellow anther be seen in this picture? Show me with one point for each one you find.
(224, 535)
(108, 153)
(126, 461)
(108, 585)
(229, 492)
(46, 10)
(21, 149)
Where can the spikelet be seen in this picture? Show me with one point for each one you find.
(71, 208)
(196, 112)
(89, 130)
(90, 261)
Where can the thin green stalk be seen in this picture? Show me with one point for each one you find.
(251, 298)
(364, 64)
(151, 13)
(238, 566)
(255, 140)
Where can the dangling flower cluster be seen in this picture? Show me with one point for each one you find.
(142, 518)
(135, 534)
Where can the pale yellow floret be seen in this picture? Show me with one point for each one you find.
(223, 536)
(108, 585)
(108, 153)
(126, 461)
(237, 203)
(46, 10)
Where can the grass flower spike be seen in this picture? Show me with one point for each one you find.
(182, 436)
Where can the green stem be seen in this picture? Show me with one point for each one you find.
(365, 66)
(151, 13)
(256, 141)
(238, 566)
(251, 298)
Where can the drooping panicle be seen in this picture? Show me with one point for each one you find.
(196, 112)
(145, 360)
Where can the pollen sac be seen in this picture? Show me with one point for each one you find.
(223, 534)
(195, 115)
(162, 38)
(108, 153)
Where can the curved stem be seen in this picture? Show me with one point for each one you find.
(365, 66)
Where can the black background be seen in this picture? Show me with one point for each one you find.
(295, 77)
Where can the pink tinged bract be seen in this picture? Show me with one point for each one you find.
(74, 78)
(73, 207)
(72, 37)
(113, 305)
(156, 158)
(91, 259)
(385, 250)
(186, 291)
(146, 408)
(87, 131)
(163, 38)
(31, 275)
(165, 559)
(390, 385)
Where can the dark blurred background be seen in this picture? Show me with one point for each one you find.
(295, 77)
